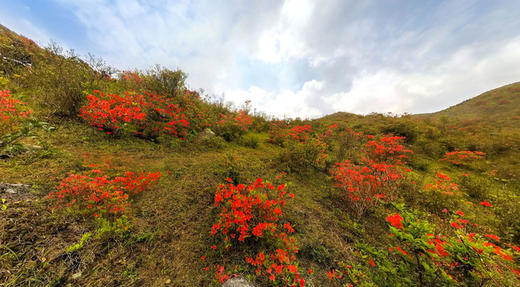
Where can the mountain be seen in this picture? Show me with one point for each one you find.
(500, 106)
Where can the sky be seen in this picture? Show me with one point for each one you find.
(296, 58)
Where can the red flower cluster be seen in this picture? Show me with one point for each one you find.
(100, 193)
(11, 107)
(240, 120)
(388, 148)
(300, 133)
(464, 156)
(248, 210)
(443, 185)
(149, 114)
(364, 184)
(395, 220)
(254, 211)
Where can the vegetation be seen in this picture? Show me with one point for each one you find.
(130, 186)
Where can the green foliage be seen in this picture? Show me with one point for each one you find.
(59, 79)
(159, 79)
(112, 229)
(301, 157)
(77, 246)
(251, 140)
(12, 143)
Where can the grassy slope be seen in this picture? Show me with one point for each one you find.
(496, 107)
(175, 217)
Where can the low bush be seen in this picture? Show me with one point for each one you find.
(94, 192)
(252, 216)
(233, 125)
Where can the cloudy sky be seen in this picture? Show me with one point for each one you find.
(297, 57)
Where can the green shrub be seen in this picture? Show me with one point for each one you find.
(159, 80)
(251, 140)
(58, 79)
(301, 157)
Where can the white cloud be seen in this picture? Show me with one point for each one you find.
(459, 77)
(283, 104)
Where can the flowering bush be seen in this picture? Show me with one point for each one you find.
(462, 157)
(233, 125)
(364, 185)
(99, 193)
(16, 124)
(278, 132)
(388, 149)
(147, 115)
(12, 112)
(300, 133)
(457, 258)
(305, 150)
(253, 213)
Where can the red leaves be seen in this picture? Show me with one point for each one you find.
(395, 220)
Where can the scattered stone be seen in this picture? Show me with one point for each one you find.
(76, 275)
(14, 188)
(168, 281)
(237, 282)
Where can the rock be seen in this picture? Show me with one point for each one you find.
(206, 135)
(237, 282)
(14, 188)
(168, 281)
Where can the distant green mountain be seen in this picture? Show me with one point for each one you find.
(500, 106)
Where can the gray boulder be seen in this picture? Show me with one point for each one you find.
(237, 282)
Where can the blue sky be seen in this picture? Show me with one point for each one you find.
(297, 58)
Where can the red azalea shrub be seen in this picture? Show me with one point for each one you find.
(364, 185)
(443, 185)
(300, 133)
(12, 111)
(457, 257)
(305, 149)
(388, 149)
(278, 132)
(99, 193)
(463, 157)
(253, 213)
(148, 115)
(233, 125)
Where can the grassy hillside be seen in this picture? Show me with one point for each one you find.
(498, 107)
(364, 200)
